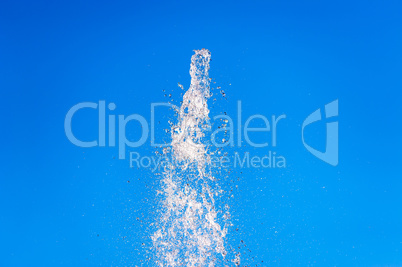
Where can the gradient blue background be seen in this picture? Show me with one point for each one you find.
(61, 205)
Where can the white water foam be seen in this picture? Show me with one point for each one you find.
(191, 230)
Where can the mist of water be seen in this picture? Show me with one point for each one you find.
(191, 227)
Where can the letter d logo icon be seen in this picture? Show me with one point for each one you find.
(330, 155)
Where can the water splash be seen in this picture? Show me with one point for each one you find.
(191, 229)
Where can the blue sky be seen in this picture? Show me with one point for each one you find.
(63, 205)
